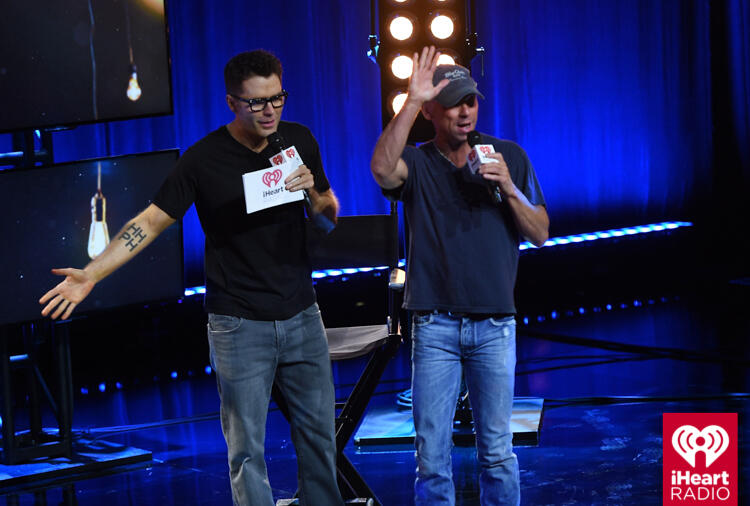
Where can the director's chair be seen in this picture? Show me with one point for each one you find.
(357, 242)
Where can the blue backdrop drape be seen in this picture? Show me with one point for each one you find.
(611, 99)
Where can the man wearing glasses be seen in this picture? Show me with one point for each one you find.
(263, 322)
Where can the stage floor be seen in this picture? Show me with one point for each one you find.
(589, 450)
(388, 424)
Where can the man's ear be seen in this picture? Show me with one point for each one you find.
(231, 103)
(427, 110)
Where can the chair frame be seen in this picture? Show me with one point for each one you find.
(351, 483)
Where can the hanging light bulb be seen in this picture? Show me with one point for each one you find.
(134, 90)
(98, 233)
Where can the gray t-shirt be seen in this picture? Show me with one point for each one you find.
(463, 247)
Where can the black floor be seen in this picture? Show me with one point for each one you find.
(607, 372)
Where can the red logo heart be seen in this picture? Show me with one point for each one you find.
(290, 153)
(277, 160)
(272, 176)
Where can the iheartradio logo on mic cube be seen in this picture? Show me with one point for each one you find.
(478, 155)
(700, 458)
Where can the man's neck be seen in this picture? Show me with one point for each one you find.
(239, 134)
(455, 152)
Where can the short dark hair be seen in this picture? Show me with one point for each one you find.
(248, 64)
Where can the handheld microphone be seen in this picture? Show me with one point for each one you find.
(477, 157)
(290, 153)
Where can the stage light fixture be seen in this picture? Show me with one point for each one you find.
(404, 27)
(442, 27)
(397, 102)
(402, 66)
(401, 27)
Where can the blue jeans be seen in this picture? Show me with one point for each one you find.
(442, 346)
(248, 356)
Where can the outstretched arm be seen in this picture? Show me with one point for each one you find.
(78, 283)
(387, 167)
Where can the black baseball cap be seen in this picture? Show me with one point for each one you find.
(461, 84)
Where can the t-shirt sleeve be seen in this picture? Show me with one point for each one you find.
(314, 162)
(409, 156)
(529, 184)
(179, 190)
(522, 171)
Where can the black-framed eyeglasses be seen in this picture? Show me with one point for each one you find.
(258, 104)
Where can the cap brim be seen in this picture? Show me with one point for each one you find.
(454, 96)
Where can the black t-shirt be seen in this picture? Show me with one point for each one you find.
(256, 264)
(463, 248)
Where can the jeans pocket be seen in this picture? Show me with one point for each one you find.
(312, 310)
(501, 322)
(223, 323)
(422, 320)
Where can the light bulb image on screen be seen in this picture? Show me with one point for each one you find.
(98, 233)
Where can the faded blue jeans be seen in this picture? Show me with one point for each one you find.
(444, 345)
(248, 356)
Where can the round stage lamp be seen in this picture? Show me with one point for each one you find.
(401, 66)
(441, 26)
(401, 28)
(397, 102)
(446, 59)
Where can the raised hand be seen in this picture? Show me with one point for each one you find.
(67, 294)
(420, 83)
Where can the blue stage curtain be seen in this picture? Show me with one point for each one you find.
(610, 98)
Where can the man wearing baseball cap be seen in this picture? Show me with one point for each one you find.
(461, 271)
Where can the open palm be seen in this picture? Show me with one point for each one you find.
(68, 293)
(420, 83)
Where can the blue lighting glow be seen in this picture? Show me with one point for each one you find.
(208, 369)
(102, 387)
(174, 375)
(554, 241)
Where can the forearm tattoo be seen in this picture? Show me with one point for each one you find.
(133, 236)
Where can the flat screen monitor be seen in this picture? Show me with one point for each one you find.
(66, 63)
(63, 215)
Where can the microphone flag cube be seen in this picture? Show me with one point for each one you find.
(289, 154)
(478, 155)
